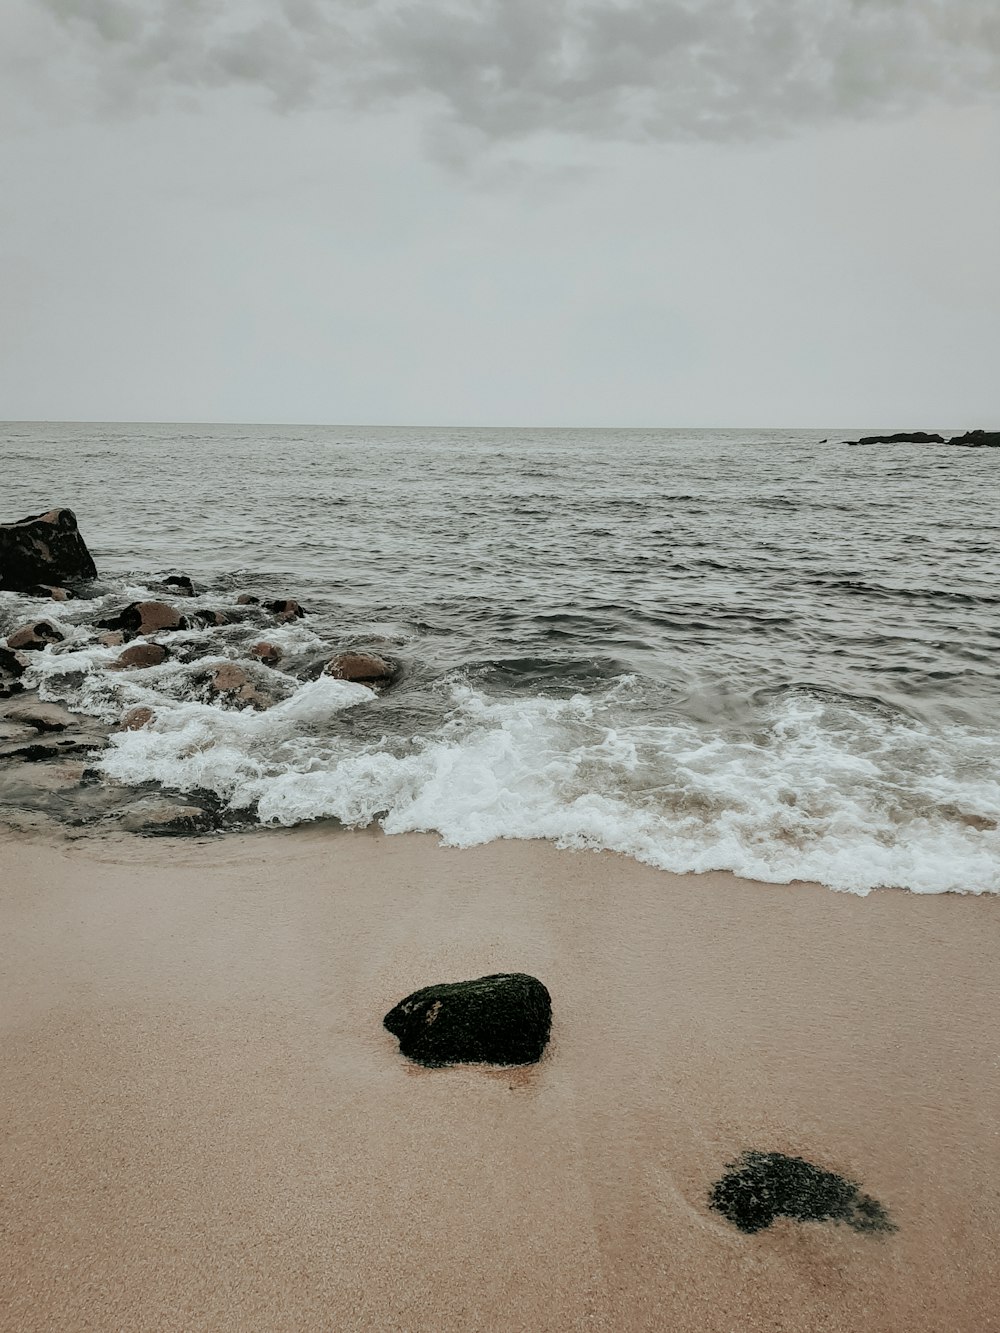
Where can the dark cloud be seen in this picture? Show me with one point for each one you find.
(503, 70)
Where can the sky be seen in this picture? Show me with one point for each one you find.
(514, 212)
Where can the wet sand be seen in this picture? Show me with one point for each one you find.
(205, 1126)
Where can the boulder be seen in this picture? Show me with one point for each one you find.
(140, 655)
(12, 667)
(145, 618)
(35, 637)
(208, 619)
(901, 437)
(41, 716)
(247, 599)
(502, 1019)
(45, 548)
(285, 609)
(181, 582)
(269, 653)
(136, 718)
(363, 668)
(978, 439)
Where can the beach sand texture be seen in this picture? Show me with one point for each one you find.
(205, 1126)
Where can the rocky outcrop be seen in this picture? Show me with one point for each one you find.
(139, 656)
(41, 717)
(34, 637)
(45, 548)
(901, 437)
(361, 668)
(145, 618)
(502, 1019)
(977, 439)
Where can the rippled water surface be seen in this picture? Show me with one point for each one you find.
(745, 650)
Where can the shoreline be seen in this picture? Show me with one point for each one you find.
(205, 1125)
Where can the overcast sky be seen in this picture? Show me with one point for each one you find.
(539, 212)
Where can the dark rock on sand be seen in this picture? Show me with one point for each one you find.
(901, 437)
(285, 609)
(362, 668)
(978, 439)
(182, 584)
(268, 653)
(763, 1186)
(145, 618)
(35, 637)
(45, 548)
(140, 655)
(502, 1019)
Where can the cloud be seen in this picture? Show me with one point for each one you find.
(502, 71)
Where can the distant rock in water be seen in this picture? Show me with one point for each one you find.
(145, 618)
(181, 583)
(285, 608)
(35, 637)
(978, 439)
(44, 549)
(901, 437)
(361, 668)
(763, 1186)
(502, 1019)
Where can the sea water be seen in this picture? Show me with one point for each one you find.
(757, 651)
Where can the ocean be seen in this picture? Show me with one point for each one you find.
(756, 651)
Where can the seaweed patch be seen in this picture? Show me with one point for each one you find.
(763, 1186)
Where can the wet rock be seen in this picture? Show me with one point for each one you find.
(136, 718)
(978, 439)
(362, 668)
(285, 609)
(35, 637)
(45, 548)
(12, 668)
(139, 656)
(235, 685)
(503, 1019)
(145, 618)
(182, 583)
(901, 437)
(40, 716)
(207, 619)
(763, 1186)
(46, 590)
(113, 638)
(269, 653)
(158, 817)
(247, 599)
(49, 747)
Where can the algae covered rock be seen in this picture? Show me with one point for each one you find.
(503, 1019)
(763, 1186)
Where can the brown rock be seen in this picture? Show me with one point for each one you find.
(46, 590)
(233, 682)
(247, 599)
(269, 653)
(364, 668)
(136, 718)
(285, 609)
(145, 618)
(41, 716)
(209, 618)
(140, 655)
(45, 548)
(112, 638)
(33, 638)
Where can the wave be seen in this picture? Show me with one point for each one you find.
(823, 790)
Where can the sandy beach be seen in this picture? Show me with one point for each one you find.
(205, 1126)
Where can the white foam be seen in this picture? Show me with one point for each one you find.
(851, 799)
